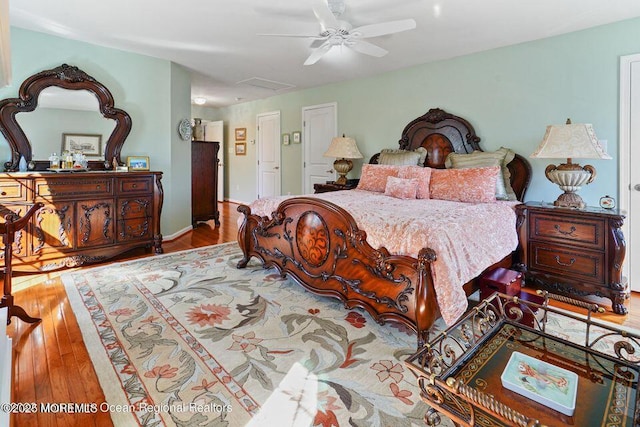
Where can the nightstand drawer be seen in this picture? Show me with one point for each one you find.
(586, 265)
(585, 232)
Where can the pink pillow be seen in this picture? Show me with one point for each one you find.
(422, 174)
(473, 185)
(401, 188)
(374, 177)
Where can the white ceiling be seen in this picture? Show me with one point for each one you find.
(217, 39)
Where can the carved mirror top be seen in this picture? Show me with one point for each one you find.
(65, 77)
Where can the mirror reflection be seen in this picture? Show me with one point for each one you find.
(65, 112)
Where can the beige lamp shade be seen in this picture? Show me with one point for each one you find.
(575, 141)
(343, 149)
(570, 141)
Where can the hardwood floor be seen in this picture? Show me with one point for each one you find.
(51, 363)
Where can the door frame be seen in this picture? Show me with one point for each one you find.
(305, 145)
(259, 149)
(624, 160)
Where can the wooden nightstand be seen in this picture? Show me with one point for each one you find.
(573, 251)
(332, 186)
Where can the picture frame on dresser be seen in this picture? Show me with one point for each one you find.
(138, 163)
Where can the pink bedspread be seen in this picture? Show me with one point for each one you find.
(466, 237)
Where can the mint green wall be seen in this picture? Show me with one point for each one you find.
(509, 94)
(153, 91)
(178, 163)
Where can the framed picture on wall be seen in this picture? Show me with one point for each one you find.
(86, 143)
(241, 148)
(297, 137)
(241, 134)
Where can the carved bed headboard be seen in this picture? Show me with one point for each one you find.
(441, 133)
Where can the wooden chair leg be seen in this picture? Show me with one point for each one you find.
(8, 230)
(16, 310)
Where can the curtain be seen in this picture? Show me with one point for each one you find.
(5, 44)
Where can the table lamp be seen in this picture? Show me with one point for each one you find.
(343, 149)
(570, 141)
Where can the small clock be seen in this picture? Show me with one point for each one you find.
(607, 202)
(184, 129)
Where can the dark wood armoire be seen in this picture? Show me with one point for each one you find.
(204, 182)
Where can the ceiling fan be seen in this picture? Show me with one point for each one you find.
(334, 32)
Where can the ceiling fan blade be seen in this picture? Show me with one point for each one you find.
(307, 36)
(318, 53)
(317, 43)
(324, 15)
(367, 48)
(383, 28)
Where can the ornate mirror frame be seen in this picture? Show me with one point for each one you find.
(67, 77)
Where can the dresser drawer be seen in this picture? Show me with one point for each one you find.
(137, 207)
(586, 232)
(135, 185)
(12, 189)
(74, 187)
(584, 265)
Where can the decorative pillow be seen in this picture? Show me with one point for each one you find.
(401, 188)
(459, 162)
(423, 175)
(374, 177)
(473, 185)
(483, 159)
(399, 158)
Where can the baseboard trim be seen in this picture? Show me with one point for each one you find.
(238, 202)
(177, 234)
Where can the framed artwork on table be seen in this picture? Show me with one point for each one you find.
(138, 163)
(241, 134)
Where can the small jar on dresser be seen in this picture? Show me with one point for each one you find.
(576, 252)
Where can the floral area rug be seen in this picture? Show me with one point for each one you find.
(186, 339)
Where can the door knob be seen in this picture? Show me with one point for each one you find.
(277, 167)
(329, 171)
(636, 187)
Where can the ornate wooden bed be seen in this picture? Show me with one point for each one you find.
(320, 246)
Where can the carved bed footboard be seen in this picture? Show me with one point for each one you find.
(319, 245)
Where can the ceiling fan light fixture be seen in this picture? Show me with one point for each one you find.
(335, 32)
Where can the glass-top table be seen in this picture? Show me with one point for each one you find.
(459, 370)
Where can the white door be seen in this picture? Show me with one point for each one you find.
(320, 125)
(214, 131)
(630, 154)
(268, 140)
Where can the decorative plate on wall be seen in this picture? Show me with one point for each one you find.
(184, 129)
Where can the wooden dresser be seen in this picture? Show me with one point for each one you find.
(87, 217)
(573, 251)
(204, 182)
